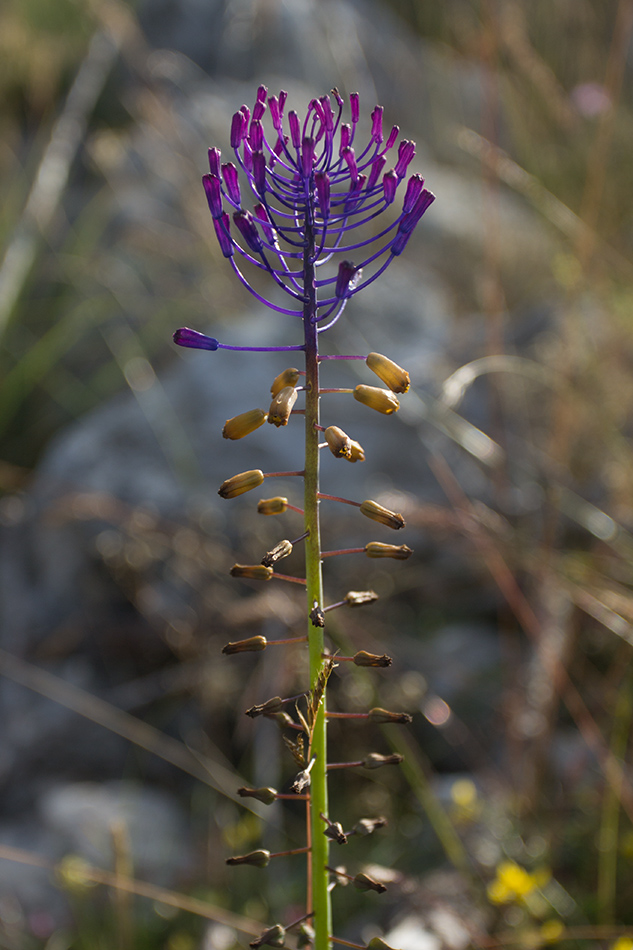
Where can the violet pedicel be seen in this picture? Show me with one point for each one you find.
(314, 189)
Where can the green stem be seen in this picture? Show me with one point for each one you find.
(319, 898)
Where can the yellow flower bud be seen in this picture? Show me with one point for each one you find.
(272, 506)
(246, 422)
(238, 484)
(256, 572)
(378, 549)
(281, 406)
(382, 400)
(392, 375)
(356, 598)
(281, 550)
(289, 377)
(339, 442)
(371, 509)
(251, 645)
(357, 452)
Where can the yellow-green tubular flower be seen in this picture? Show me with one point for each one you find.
(281, 406)
(382, 400)
(256, 572)
(339, 443)
(357, 452)
(251, 645)
(392, 375)
(245, 423)
(238, 484)
(272, 506)
(258, 859)
(289, 377)
(371, 509)
(356, 598)
(281, 550)
(398, 551)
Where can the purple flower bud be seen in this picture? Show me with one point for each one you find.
(275, 113)
(322, 181)
(389, 184)
(354, 105)
(238, 129)
(354, 193)
(223, 232)
(414, 187)
(406, 151)
(318, 108)
(247, 156)
(374, 172)
(264, 221)
(229, 173)
(347, 154)
(346, 137)
(307, 156)
(246, 112)
(283, 95)
(214, 161)
(327, 113)
(259, 172)
(194, 339)
(213, 191)
(393, 135)
(246, 226)
(348, 276)
(424, 199)
(295, 129)
(260, 105)
(376, 128)
(256, 136)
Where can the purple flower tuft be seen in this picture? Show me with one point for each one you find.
(194, 339)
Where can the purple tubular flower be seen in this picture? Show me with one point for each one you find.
(376, 127)
(192, 338)
(231, 182)
(256, 136)
(295, 129)
(393, 135)
(262, 216)
(246, 226)
(406, 151)
(354, 104)
(260, 105)
(348, 276)
(410, 220)
(346, 137)
(389, 184)
(259, 172)
(322, 182)
(307, 156)
(223, 232)
(213, 191)
(275, 114)
(328, 113)
(214, 161)
(238, 129)
(374, 172)
(347, 154)
(414, 187)
(247, 156)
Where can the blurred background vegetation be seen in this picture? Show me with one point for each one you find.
(520, 791)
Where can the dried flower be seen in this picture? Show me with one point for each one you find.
(376, 761)
(363, 882)
(244, 424)
(379, 715)
(289, 377)
(251, 645)
(256, 572)
(258, 859)
(317, 617)
(398, 551)
(357, 453)
(371, 659)
(367, 826)
(273, 705)
(377, 943)
(371, 509)
(382, 400)
(357, 598)
(265, 795)
(238, 484)
(335, 831)
(281, 406)
(281, 550)
(273, 937)
(272, 506)
(392, 375)
(301, 781)
(339, 442)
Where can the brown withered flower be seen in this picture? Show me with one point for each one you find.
(339, 443)
(379, 715)
(274, 705)
(281, 550)
(398, 551)
(244, 424)
(363, 882)
(376, 512)
(238, 484)
(289, 377)
(358, 598)
(357, 453)
(362, 658)
(281, 406)
(375, 761)
(250, 645)
(392, 375)
(255, 572)
(257, 859)
(266, 795)
(272, 506)
(382, 400)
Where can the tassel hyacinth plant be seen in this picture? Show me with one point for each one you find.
(318, 198)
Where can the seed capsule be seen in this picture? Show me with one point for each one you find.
(376, 761)
(357, 452)
(363, 882)
(265, 795)
(289, 377)
(379, 715)
(382, 400)
(398, 551)
(256, 572)
(251, 645)
(245, 423)
(281, 550)
(281, 406)
(339, 442)
(272, 506)
(392, 375)
(371, 509)
(356, 598)
(258, 859)
(362, 658)
(238, 484)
